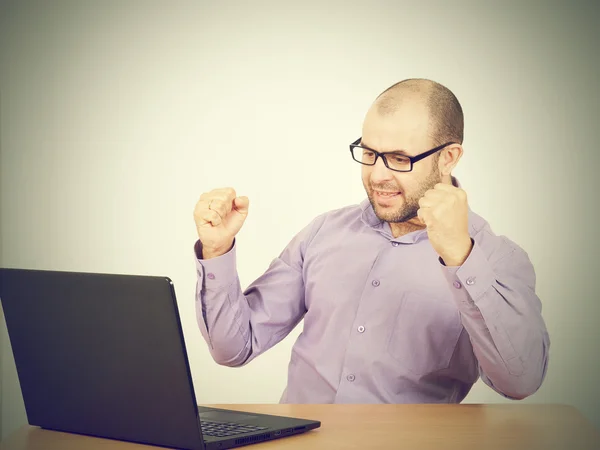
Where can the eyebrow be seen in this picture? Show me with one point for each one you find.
(400, 151)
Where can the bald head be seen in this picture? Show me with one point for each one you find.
(444, 110)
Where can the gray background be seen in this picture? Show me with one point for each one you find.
(115, 116)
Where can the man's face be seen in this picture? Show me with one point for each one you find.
(395, 195)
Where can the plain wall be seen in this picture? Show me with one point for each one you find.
(115, 116)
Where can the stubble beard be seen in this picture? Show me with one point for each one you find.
(410, 207)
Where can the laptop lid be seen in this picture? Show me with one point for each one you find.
(95, 387)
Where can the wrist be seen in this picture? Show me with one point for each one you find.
(458, 255)
(215, 252)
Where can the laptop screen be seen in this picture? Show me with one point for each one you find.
(101, 355)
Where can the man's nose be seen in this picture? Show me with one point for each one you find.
(380, 171)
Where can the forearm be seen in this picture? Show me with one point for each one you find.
(502, 314)
(240, 325)
(512, 354)
(222, 313)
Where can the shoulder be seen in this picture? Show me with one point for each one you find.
(346, 217)
(325, 225)
(333, 220)
(496, 247)
(344, 213)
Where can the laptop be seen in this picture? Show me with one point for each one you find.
(104, 355)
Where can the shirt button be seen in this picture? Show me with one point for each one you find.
(470, 281)
(361, 329)
(350, 377)
(211, 276)
(395, 244)
(457, 284)
(375, 283)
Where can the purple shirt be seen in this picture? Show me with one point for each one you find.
(385, 321)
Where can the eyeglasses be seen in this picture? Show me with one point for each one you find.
(393, 160)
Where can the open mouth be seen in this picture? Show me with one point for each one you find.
(386, 195)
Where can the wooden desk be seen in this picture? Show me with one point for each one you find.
(492, 426)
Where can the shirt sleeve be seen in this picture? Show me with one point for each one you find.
(494, 290)
(238, 325)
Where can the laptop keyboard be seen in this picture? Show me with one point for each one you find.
(224, 429)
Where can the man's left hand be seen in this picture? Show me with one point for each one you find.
(445, 212)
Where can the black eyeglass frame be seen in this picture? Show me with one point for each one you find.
(412, 159)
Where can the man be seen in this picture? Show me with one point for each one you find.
(408, 297)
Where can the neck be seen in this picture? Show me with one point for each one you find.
(402, 228)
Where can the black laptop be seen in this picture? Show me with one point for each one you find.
(104, 355)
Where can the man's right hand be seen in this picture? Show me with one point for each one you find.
(219, 215)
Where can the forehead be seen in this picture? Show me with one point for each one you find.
(405, 129)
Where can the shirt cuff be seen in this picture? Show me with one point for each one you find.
(216, 273)
(473, 278)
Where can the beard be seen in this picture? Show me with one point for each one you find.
(410, 207)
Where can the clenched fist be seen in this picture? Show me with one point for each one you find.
(445, 212)
(219, 215)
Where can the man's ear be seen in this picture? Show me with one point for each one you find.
(449, 158)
